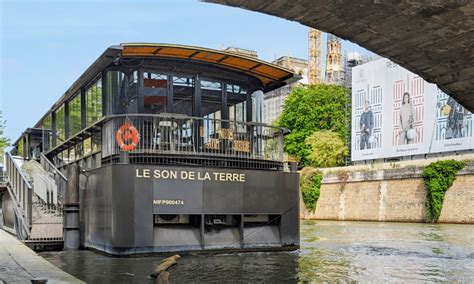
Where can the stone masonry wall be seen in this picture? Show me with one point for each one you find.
(390, 195)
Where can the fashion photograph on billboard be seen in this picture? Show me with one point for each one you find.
(367, 113)
(453, 120)
(366, 126)
(392, 114)
(406, 133)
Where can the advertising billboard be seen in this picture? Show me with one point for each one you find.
(396, 113)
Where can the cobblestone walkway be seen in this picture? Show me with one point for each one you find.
(19, 264)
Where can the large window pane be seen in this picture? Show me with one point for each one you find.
(47, 132)
(60, 125)
(114, 86)
(155, 92)
(236, 101)
(121, 92)
(47, 123)
(21, 147)
(75, 115)
(183, 91)
(94, 102)
(257, 106)
(211, 98)
(211, 104)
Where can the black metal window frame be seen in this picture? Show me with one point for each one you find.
(226, 78)
(197, 99)
(202, 71)
(82, 93)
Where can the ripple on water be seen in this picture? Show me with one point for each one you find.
(330, 251)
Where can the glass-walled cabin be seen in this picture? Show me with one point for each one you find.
(164, 104)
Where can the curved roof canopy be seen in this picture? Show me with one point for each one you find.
(269, 74)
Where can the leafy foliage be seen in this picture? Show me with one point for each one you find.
(4, 141)
(309, 108)
(327, 149)
(310, 183)
(438, 178)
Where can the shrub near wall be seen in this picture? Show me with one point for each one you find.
(438, 178)
(310, 183)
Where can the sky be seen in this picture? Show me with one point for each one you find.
(46, 45)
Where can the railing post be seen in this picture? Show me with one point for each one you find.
(18, 185)
(196, 135)
(281, 144)
(252, 139)
(23, 196)
(30, 204)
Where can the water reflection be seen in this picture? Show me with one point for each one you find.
(330, 251)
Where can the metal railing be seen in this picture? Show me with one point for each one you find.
(176, 134)
(21, 193)
(59, 179)
(2, 177)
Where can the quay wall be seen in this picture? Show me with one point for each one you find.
(393, 192)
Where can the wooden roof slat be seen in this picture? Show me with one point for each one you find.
(264, 71)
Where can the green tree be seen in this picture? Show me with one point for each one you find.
(4, 141)
(327, 149)
(309, 108)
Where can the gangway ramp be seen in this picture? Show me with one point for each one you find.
(33, 205)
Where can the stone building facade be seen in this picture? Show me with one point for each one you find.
(273, 101)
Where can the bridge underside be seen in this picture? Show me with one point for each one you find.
(433, 39)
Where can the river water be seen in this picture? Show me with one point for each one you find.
(330, 251)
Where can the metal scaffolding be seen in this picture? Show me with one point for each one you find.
(315, 51)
